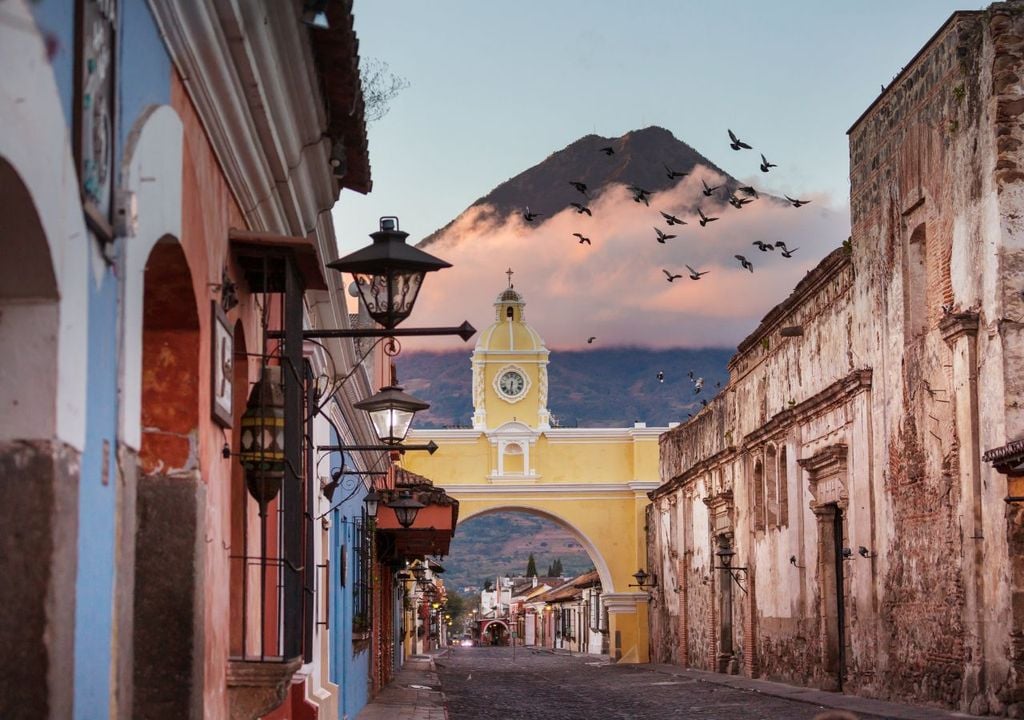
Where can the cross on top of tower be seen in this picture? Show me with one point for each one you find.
(509, 273)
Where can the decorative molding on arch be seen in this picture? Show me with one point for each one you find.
(151, 169)
(599, 562)
(35, 142)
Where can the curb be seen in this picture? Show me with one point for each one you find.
(861, 706)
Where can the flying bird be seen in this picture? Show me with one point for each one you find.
(704, 219)
(609, 151)
(765, 165)
(673, 174)
(698, 385)
(736, 143)
(738, 202)
(640, 195)
(661, 376)
(794, 202)
(582, 238)
(788, 253)
(582, 187)
(747, 265)
(671, 219)
(531, 216)
(670, 276)
(709, 189)
(689, 374)
(695, 275)
(763, 246)
(662, 237)
(780, 244)
(591, 339)
(748, 190)
(580, 209)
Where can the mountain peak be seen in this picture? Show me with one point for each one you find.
(641, 157)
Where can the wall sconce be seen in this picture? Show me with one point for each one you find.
(314, 14)
(641, 577)
(338, 159)
(865, 553)
(725, 555)
(792, 561)
(847, 553)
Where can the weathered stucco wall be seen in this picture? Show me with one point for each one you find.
(843, 464)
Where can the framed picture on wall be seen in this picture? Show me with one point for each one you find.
(221, 366)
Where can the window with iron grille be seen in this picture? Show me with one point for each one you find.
(361, 576)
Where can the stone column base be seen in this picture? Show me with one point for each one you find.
(256, 688)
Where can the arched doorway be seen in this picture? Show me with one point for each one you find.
(495, 632)
(38, 473)
(168, 575)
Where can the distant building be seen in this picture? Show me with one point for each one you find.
(847, 513)
(591, 481)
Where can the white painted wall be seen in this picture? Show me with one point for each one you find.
(35, 142)
(152, 170)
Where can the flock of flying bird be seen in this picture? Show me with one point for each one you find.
(640, 195)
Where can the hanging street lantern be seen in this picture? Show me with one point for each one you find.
(391, 412)
(388, 274)
(370, 502)
(406, 508)
(262, 437)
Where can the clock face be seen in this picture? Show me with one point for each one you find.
(511, 383)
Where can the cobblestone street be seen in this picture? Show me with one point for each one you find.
(485, 682)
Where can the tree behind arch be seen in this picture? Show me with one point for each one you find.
(531, 567)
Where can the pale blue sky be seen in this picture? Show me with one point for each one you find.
(495, 87)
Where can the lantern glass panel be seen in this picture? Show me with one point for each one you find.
(406, 515)
(389, 296)
(391, 424)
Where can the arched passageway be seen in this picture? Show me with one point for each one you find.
(38, 473)
(171, 497)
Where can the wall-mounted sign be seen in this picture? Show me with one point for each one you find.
(221, 365)
(95, 110)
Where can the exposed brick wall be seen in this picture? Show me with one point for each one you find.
(923, 594)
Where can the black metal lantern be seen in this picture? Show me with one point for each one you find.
(262, 437)
(643, 580)
(406, 508)
(391, 412)
(388, 274)
(419, 572)
(725, 555)
(370, 502)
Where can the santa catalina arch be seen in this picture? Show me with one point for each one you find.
(592, 481)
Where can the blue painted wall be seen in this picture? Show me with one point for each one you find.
(143, 76)
(56, 20)
(349, 670)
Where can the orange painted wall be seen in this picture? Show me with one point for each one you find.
(209, 211)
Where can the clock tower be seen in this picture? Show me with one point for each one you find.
(510, 369)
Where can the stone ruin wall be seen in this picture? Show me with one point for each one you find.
(934, 152)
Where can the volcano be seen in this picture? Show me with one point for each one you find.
(641, 158)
